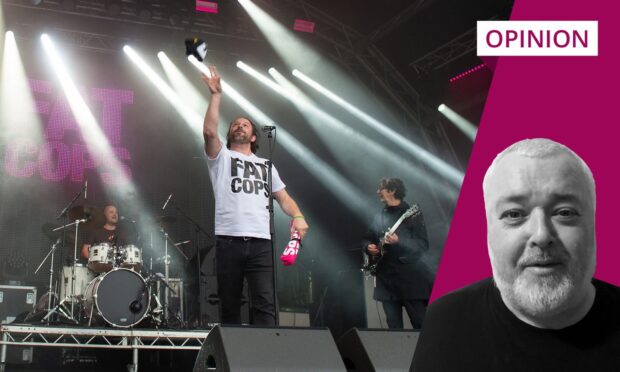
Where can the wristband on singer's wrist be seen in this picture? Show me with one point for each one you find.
(299, 217)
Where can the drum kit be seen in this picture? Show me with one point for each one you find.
(111, 289)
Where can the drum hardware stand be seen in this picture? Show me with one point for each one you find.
(51, 255)
(158, 277)
(59, 308)
(157, 311)
(167, 270)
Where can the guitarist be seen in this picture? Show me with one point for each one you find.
(402, 278)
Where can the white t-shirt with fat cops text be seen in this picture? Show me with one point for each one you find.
(240, 187)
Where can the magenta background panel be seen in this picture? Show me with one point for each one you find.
(572, 100)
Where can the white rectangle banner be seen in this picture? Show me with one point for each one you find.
(537, 38)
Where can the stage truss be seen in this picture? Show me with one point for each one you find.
(108, 338)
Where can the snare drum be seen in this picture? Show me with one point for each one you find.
(131, 257)
(83, 276)
(119, 297)
(101, 257)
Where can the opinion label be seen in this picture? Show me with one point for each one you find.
(537, 38)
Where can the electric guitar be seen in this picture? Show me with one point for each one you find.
(371, 262)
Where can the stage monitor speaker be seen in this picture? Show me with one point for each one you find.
(378, 349)
(245, 348)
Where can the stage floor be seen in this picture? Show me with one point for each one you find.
(92, 347)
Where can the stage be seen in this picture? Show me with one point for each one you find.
(134, 340)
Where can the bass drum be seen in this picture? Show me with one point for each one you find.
(119, 297)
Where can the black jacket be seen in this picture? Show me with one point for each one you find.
(402, 273)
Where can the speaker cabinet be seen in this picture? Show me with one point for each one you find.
(243, 348)
(378, 350)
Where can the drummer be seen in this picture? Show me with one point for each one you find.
(108, 233)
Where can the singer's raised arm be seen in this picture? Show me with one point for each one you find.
(213, 145)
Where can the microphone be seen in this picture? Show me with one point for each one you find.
(167, 200)
(86, 189)
(268, 128)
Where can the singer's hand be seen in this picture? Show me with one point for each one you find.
(300, 225)
(213, 81)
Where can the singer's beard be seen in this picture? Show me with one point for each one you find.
(239, 138)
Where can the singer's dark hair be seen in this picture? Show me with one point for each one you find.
(394, 184)
(254, 145)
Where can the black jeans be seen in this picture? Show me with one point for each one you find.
(235, 258)
(416, 309)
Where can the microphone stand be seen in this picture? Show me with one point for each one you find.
(66, 209)
(272, 230)
(64, 213)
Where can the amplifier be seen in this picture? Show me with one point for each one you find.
(17, 301)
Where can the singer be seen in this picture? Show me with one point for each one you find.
(403, 279)
(241, 190)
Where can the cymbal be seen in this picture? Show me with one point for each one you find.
(165, 221)
(47, 229)
(79, 212)
(93, 216)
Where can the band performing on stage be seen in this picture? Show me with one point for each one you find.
(109, 281)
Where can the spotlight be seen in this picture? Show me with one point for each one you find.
(196, 47)
(464, 125)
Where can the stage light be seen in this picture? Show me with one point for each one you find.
(262, 78)
(182, 86)
(468, 72)
(298, 54)
(191, 118)
(18, 113)
(206, 6)
(438, 165)
(302, 25)
(326, 126)
(117, 176)
(293, 50)
(96, 141)
(464, 125)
